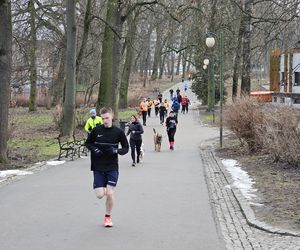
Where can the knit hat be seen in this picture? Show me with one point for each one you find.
(93, 112)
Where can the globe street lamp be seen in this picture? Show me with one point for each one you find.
(204, 67)
(206, 61)
(210, 43)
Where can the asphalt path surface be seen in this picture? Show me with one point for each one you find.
(160, 204)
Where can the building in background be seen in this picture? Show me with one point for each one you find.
(285, 76)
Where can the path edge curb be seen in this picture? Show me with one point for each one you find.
(244, 205)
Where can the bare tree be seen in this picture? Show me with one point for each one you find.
(129, 47)
(5, 73)
(32, 56)
(235, 76)
(246, 66)
(104, 96)
(86, 29)
(69, 101)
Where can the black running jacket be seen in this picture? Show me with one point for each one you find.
(106, 139)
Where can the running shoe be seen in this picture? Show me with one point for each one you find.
(133, 164)
(107, 222)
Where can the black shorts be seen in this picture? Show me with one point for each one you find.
(102, 179)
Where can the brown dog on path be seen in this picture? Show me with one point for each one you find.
(157, 141)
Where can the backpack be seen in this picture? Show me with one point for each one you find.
(183, 101)
(175, 106)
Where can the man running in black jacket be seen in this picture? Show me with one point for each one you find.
(103, 142)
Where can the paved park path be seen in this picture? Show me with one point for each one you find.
(161, 204)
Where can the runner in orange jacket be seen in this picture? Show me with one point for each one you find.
(144, 109)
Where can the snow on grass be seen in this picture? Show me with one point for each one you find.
(240, 177)
(54, 163)
(8, 173)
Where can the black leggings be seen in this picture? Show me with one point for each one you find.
(171, 134)
(162, 117)
(135, 145)
(149, 112)
(144, 113)
(156, 111)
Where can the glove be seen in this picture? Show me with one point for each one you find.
(133, 131)
(97, 152)
(112, 151)
(115, 151)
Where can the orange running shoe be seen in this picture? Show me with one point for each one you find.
(107, 222)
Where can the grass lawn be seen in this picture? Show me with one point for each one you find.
(207, 117)
(125, 114)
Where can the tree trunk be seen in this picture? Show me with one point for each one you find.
(180, 57)
(86, 29)
(183, 64)
(141, 66)
(169, 67)
(146, 57)
(162, 66)
(246, 70)
(172, 66)
(128, 63)
(178, 64)
(5, 73)
(32, 67)
(189, 63)
(137, 64)
(235, 76)
(58, 88)
(69, 102)
(105, 88)
(157, 53)
(116, 59)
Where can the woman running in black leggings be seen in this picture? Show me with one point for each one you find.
(135, 130)
(171, 124)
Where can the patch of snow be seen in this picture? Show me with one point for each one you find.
(7, 173)
(256, 204)
(54, 163)
(240, 177)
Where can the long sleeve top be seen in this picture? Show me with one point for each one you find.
(105, 139)
(135, 130)
(171, 122)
